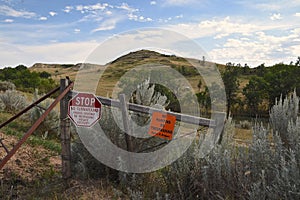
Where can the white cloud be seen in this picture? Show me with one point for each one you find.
(76, 30)
(8, 20)
(108, 12)
(139, 18)
(125, 6)
(295, 49)
(52, 13)
(246, 42)
(258, 48)
(43, 18)
(225, 27)
(276, 16)
(107, 25)
(221, 35)
(297, 15)
(73, 52)
(179, 16)
(8, 11)
(94, 7)
(180, 2)
(213, 27)
(266, 5)
(152, 2)
(68, 9)
(35, 33)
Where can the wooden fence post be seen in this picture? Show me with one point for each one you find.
(126, 122)
(65, 133)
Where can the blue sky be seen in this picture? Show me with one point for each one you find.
(237, 31)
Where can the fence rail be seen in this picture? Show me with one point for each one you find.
(149, 110)
(65, 92)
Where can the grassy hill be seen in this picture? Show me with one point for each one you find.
(267, 83)
(117, 68)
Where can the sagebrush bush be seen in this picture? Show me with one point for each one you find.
(267, 168)
(144, 95)
(284, 111)
(49, 127)
(6, 85)
(12, 101)
(245, 124)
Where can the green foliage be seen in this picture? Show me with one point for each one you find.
(231, 84)
(282, 79)
(45, 74)
(255, 92)
(27, 81)
(187, 70)
(204, 99)
(266, 84)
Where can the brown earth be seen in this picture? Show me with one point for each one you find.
(34, 173)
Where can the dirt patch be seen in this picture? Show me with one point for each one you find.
(27, 167)
(35, 173)
(29, 162)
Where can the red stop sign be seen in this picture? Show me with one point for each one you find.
(84, 109)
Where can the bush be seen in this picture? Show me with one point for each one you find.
(284, 112)
(5, 85)
(86, 165)
(245, 124)
(265, 169)
(49, 127)
(12, 101)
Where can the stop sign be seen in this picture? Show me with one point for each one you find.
(84, 109)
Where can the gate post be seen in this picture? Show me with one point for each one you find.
(65, 133)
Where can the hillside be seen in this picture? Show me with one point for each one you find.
(253, 91)
(121, 65)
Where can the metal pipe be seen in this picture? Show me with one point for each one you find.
(29, 107)
(34, 126)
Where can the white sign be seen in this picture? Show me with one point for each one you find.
(84, 109)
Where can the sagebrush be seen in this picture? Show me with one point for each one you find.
(267, 168)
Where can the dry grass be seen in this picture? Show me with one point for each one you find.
(91, 73)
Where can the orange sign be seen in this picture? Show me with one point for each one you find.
(162, 125)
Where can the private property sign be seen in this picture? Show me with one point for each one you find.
(84, 109)
(162, 125)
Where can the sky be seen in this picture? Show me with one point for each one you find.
(237, 31)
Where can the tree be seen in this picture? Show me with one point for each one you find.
(255, 92)
(45, 74)
(231, 84)
(261, 70)
(298, 61)
(282, 79)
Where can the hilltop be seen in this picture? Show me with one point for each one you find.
(253, 91)
(121, 65)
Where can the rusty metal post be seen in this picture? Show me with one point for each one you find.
(65, 133)
(34, 126)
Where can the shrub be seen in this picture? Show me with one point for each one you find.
(245, 124)
(13, 101)
(265, 169)
(284, 111)
(5, 85)
(82, 160)
(49, 127)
